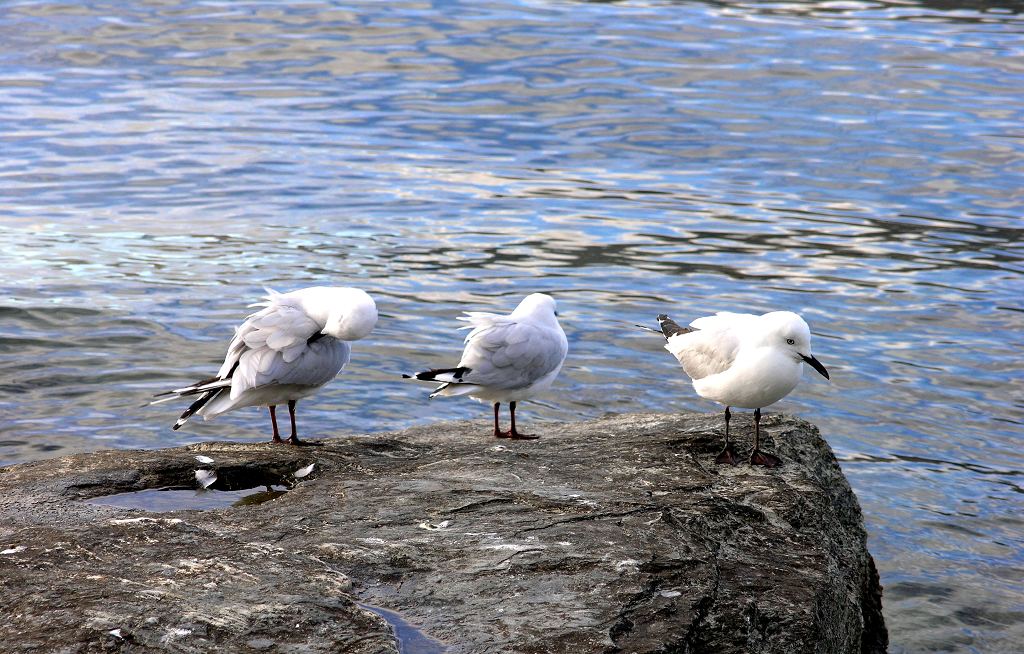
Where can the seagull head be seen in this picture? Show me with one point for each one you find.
(790, 333)
(351, 316)
(536, 304)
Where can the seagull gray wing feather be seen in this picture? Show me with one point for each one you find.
(272, 347)
(503, 354)
(705, 352)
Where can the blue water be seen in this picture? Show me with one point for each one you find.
(859, 162)
(408, 638)
(163, 500)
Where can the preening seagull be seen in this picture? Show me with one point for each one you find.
(293, 345)
(742, 360)
(506, 359)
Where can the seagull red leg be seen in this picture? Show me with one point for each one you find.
(497, 430)
(512, 432)
(728, 453)
(294, 438)
(273, 421)
(757, 457)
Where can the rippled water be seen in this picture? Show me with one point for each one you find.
(860, 162)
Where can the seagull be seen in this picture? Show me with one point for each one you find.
(742, 360)
(506, 359)
(293, 345)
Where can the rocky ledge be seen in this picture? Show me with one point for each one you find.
(614, 535)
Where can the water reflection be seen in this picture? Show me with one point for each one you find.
(857, 161)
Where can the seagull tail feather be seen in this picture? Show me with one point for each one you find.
(203, 386)
(649, 329)
(452, 380)
(194, 407)
(450, 389)
(670, 328)
(447, 375)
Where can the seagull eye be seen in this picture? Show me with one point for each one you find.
(791, 341)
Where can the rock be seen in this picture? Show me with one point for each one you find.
(613, 535)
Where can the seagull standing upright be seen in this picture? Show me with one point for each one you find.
(742, 360)
(506, 359)
(293, 345)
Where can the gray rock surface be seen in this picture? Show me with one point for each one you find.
(613, 535)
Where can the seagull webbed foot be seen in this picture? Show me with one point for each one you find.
(759, 458)
(514, 435)
(303, 443)
(728, 455)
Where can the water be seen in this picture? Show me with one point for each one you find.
(164, 500)
(408, 638)
(859, 162)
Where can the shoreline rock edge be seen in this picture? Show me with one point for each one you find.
(612, 535)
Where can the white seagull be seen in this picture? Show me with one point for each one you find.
(506, 359)
(284, 352)
(742, 360)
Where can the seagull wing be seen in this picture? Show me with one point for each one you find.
(275, 346)
(504, 354)
(723, 321)
(707, 351)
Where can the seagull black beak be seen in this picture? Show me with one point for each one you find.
(814, 363)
